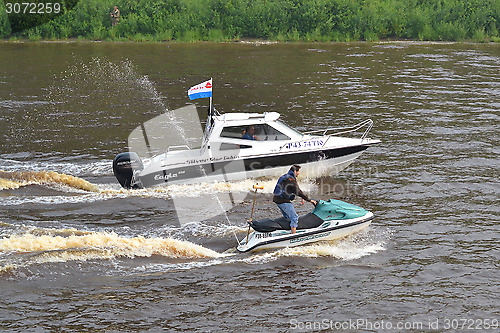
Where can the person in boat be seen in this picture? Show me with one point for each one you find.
(249, 133)
(285, 191)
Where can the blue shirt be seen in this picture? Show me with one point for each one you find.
(247, 136)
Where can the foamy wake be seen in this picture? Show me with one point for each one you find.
(7, 184)
(345, 250)
(89, 192)
(349, 248)
(13, 177)
(83, 246)
(89, 168)
(188, 190)
(65, 245)
(16, 179)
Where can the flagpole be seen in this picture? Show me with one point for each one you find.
(211, 80)
(210, 110)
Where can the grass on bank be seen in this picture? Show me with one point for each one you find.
(275, 20)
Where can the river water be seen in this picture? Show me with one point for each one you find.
(78, 253)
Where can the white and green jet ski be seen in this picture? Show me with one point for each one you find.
(329, 220)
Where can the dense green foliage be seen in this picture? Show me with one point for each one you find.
(24, 15)
(287, 20)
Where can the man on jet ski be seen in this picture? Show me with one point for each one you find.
(285, 191)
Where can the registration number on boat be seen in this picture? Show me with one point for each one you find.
(297, 240)
(305, 144)
(263, 235)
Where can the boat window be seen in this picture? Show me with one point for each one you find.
(235, 132)
(261, 132)
(232, 146)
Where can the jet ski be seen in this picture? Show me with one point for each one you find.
(329, 220)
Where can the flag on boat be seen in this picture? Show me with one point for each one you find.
(202, 90)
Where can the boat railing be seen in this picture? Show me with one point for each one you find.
(368, 123)
(180, 147)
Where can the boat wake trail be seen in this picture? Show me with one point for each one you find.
(73, 183)
(71, 165)
(63, 245)
(364, 243)
(7, 184)
(17, 179)
(29, 246)
(351, 248)
(73, 189)
(348, 249)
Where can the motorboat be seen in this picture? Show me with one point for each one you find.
(329, 220)
(238, 146)
(226, 155)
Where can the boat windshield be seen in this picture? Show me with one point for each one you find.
(260, 132)
(289, 127)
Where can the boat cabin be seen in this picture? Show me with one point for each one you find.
(245, 130)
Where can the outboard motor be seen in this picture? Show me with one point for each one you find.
(124, 166)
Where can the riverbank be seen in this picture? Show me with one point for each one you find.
(245, 41)
(274, 20)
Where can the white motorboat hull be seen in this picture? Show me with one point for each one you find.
(315, 164)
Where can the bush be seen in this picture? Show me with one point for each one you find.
(34, 36)
(216, 35)
(286, 20)
(165, 35)
(449, 31)
(191, 36)
(4, 22)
